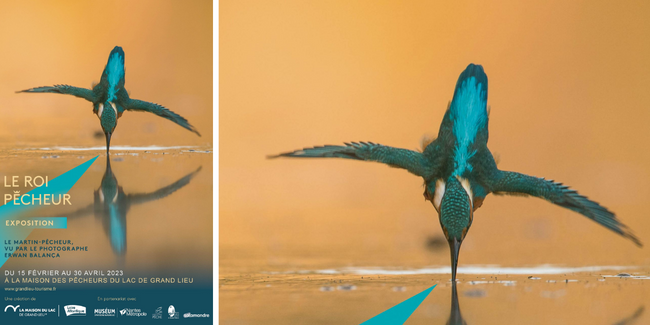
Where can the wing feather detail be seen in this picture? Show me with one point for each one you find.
(412, 161)
(513, 183)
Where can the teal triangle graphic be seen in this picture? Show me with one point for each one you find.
(400, 312)
(59, 185)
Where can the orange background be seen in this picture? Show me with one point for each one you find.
(168, 49)
(568, 88)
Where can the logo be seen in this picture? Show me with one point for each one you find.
(14, 307)
(105, 312)
(74, 310)
(157, 314)
(173, 314)
(30, 312)
(190, 315)
(134, 312)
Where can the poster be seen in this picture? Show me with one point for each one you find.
(87, 236)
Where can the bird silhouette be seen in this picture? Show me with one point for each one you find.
(459, 170)
(110, 99)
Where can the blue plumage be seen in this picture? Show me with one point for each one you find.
(468, 113)
(117, 229)
(115, 72)
(473, 71)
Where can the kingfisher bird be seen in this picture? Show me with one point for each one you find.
(459, 170)
(111, 205)
(110, 99)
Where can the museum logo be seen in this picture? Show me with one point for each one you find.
(104, 312)
(157, 314)
(173, 314)
(74, 310)
(133, 312)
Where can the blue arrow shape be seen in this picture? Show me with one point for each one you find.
(399, 313)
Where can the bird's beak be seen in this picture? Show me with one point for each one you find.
(108, 142)
(454, 247)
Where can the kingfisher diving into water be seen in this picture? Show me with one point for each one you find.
(459, 170)
(110, 99)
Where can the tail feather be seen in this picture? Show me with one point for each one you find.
(113, 75)
(473, 71)
(468, 116)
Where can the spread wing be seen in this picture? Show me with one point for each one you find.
(519, 184)
(142, 106)
(84, 93)
(165, 191)
(413, 161)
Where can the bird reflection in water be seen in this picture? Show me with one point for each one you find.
(111, 205)
(455, 318)
(633, 318)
